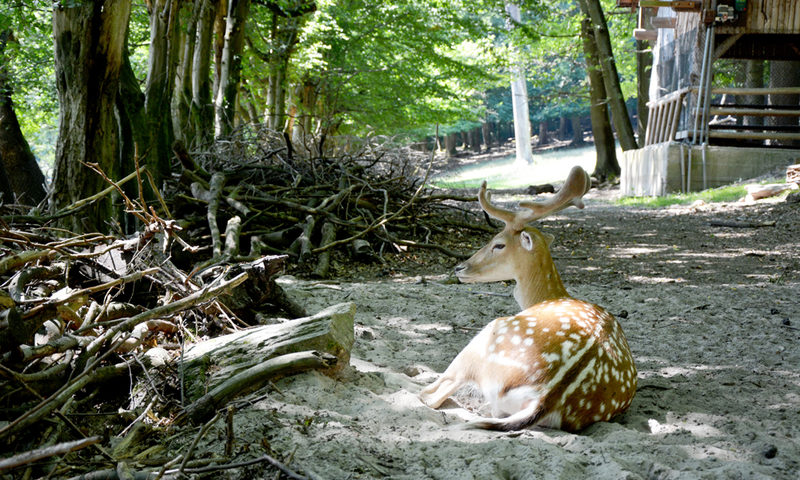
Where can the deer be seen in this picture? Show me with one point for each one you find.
(560, 363)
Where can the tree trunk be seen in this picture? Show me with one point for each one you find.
(577, 131)
(475, 139)
(133, 129)
(544, 135)
(561, 134)
(159, 86)
(225, 102)
(644, 64)
(601, 127)
(202, 108)
(22, 173)
(283, 38)
(182, 97)
(519, 102)
(6, 194)
(486, 131)
(616, 100)
(89, 39)
(220, 15)
(450, 145)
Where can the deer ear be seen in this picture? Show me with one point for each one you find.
(548, 239)
(526, 240)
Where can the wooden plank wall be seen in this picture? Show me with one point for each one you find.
(768, 16)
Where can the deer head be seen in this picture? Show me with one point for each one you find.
(521, 252)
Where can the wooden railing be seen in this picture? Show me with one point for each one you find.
(663, 117)
(665, 113)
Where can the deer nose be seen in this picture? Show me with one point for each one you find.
(460, 269)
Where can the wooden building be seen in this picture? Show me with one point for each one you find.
(724, 93)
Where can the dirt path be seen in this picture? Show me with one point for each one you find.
(711, 313)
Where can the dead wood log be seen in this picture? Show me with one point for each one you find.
(254, 378)
(302, 246)
(324, 261)
(10, 262)
(211, 362)
(757, 192)
(232, 232)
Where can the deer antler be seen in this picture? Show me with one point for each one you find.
(575, 187)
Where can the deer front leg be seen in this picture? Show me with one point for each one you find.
(460, 371)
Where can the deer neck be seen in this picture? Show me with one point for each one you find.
(538, 281)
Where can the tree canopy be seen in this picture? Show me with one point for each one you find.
(371, 66)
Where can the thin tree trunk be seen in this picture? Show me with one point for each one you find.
(202, 108)
(225, 102)
(23, 176)
(220, 16)
(644, 64)
(616, 100)
(519, 102)
(486, 131)
(89, 39)
(577, 131)
(159, 86)
(601, 127)
(182, 97)
(133, 129)
(450, 145)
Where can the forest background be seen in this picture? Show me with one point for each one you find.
(112, 83)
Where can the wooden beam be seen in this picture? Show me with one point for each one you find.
(677, 5)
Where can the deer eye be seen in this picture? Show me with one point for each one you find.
(497, 247)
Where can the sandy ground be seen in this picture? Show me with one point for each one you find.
(712, 315)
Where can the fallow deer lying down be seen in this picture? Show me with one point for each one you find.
(562, 362)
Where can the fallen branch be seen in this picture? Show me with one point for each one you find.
(45, 452)
(740, 224)
(253, 378)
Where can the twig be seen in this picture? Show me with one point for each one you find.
(215, 193)
(197, 438)
(230, 436)
(198, 297)
(384, 218)
(40, 453)
(264, 458)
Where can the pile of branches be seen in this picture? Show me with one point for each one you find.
(82, 313)
(361, 198)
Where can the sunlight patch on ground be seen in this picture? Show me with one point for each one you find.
(697, 423)
(653, 280)
(547, 167)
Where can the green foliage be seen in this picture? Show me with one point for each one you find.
(730, 193)
(380, 67)
(29, 58)
(387, 67)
